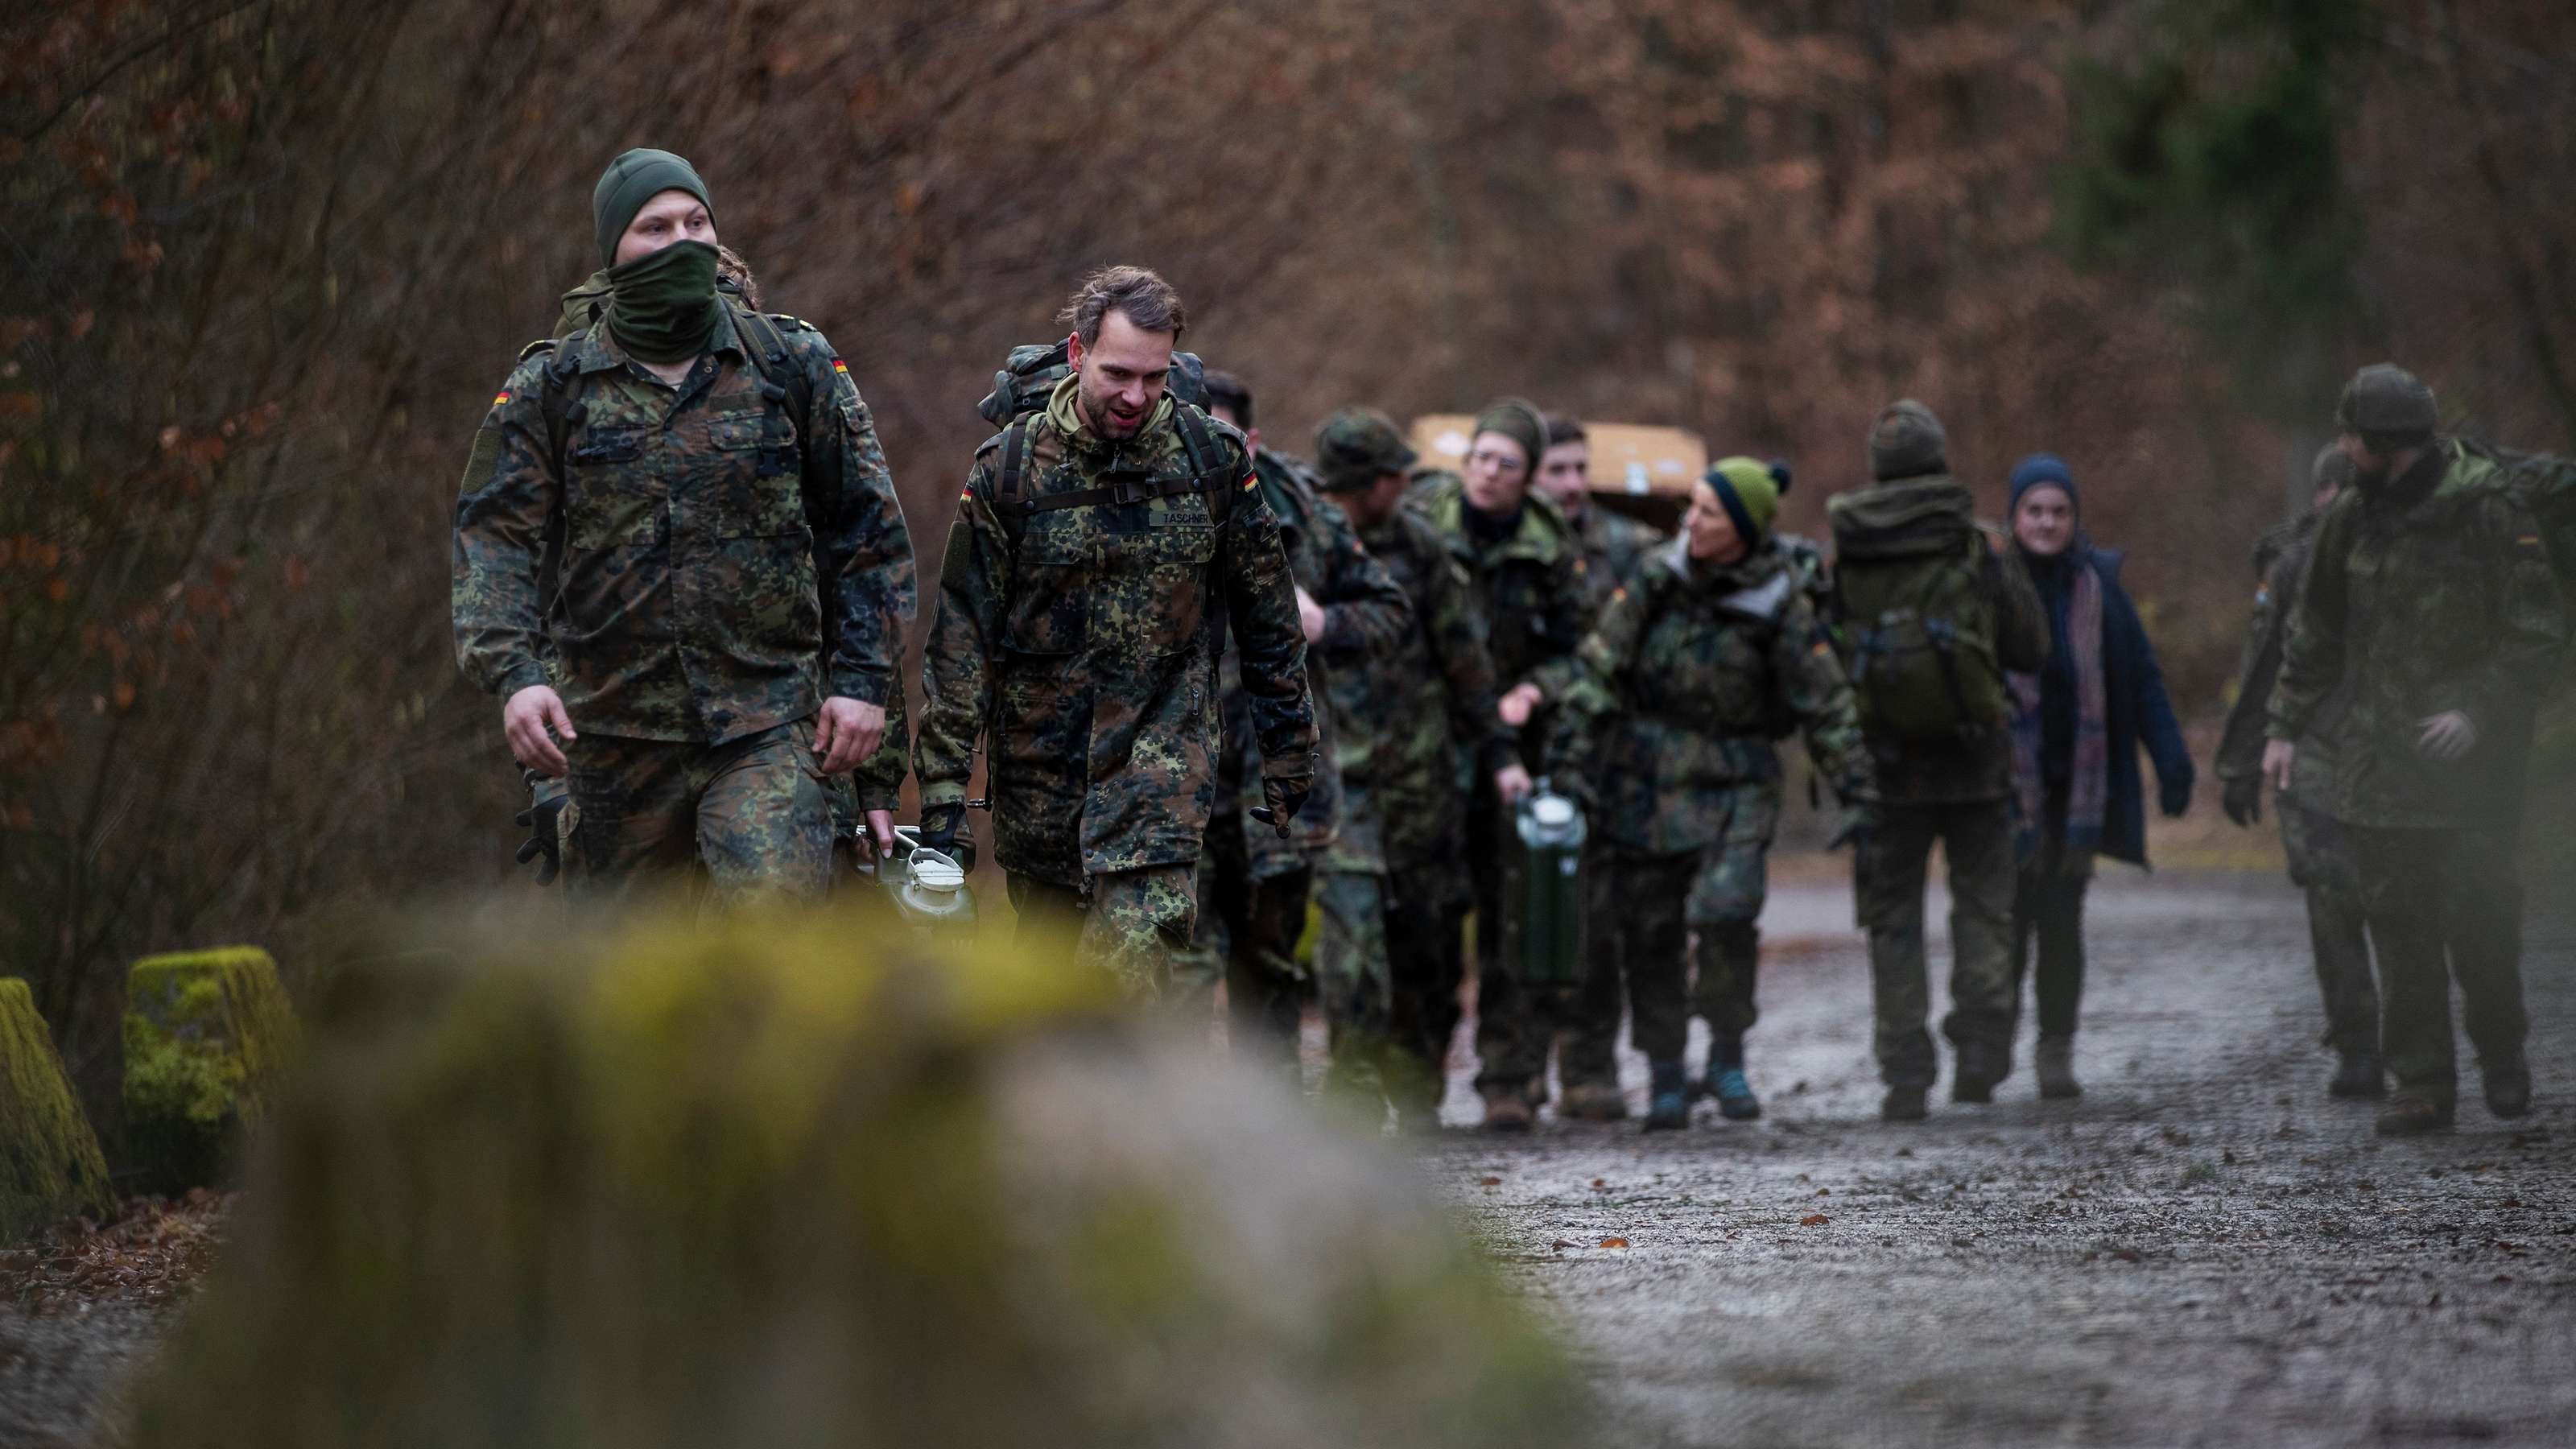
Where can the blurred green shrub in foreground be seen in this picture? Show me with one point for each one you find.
(759, 1181)
(50, 1165)
(207, 1038)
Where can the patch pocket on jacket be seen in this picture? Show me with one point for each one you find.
(610, 496)
(1159, 601)
(1050, 607)
(755, 475)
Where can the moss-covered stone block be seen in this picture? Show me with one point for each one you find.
(50, 1165)
(208, 1036)
(777, 1180)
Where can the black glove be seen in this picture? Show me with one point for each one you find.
(1858, 826)
(2243, 800)
(544, 844)
(2174, 796)
(940, 825)
(1285, 798)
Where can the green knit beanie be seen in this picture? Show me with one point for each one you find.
(1517, 420)
(631, 180)
(1749, 494)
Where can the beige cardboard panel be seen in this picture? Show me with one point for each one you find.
(1627, 458)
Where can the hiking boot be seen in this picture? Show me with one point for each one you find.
(1668, 1100)
(2055, 1063)
(2410, 1113)
(1507, 1110)
(1973, 1076)
(1905, 1102)
(2359, 1075)
(2509, 1088)
(1594, 1102)
(1733, 1093)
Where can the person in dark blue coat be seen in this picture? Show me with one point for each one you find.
(2077, 727)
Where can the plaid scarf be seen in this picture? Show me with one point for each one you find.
(2088, 786)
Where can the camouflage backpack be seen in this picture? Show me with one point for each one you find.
(1020, 392)
(1914, 587)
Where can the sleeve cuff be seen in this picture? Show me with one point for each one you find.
(942, 792)
(520, 676)
(867, 686)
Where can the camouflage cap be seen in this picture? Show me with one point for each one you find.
(2332, 469)
(1356, 447)
(1907, 441)
(2389, 401)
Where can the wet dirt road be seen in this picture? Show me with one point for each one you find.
(2205, 1249)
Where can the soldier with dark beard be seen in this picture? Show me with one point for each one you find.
(2430, 598)
(1395, 887)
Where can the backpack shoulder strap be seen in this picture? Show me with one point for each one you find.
(1010, 496)
(762, 338)
(563, 411)
(1209, 464)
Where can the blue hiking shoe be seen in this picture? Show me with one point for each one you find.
(1668, 1099)
(1734, 1094)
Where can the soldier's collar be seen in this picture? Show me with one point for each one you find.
(599, 352)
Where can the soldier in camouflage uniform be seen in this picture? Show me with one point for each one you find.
(729, 574)
(1692, 672)
(1254, 879)
(1613, 548)
(1955, 789)
(864, 801)
(1522, 557)
(1101, 545)
(1395, 885)
(2321, 859)
(2430, 598)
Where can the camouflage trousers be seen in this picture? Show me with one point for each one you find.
(2443, 905)
(753, 812)
(1132, 924)
(2322, 864)
(1644, 910)
(1976, 839)
(1387, 967)
(1246, 936)
(1517, 1021)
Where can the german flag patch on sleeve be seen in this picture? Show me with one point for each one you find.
(501, 398)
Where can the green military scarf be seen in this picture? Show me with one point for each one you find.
(662, 307)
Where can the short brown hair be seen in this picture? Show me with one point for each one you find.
(1562, 429)
(1147, 299)
(1227, 391)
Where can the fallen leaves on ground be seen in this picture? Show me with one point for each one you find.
(1814, 1220)
(1614, 1242)
(152, 1252)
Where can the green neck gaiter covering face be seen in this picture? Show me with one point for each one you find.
(663, 306)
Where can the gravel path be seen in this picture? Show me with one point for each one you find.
(2206, 1249)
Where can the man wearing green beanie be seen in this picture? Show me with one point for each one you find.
(1680, 690)
(1931, 616)
(730, 573)
(1521, 557)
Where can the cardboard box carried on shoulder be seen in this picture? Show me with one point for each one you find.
(1629, 460)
